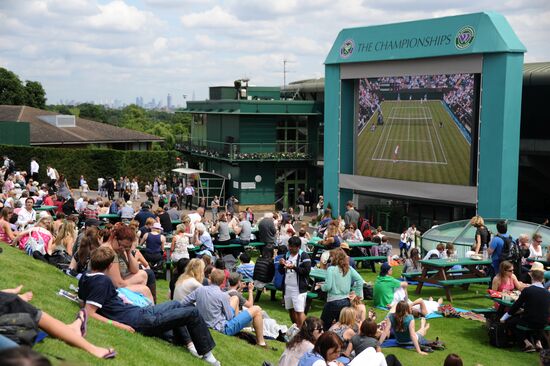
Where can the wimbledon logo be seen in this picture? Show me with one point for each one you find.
(465, 37)
(347, 48)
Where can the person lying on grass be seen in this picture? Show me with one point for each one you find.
(402, 325)
(11, 302)
(221, 311)
(103, 304)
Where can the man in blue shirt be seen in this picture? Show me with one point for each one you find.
(496, 246)
(221, 311)
(103, 304)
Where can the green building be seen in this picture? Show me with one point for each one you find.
(268, 146)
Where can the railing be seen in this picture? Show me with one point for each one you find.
(245, 151)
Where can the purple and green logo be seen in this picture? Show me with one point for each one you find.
(347, 48)
(465, 37)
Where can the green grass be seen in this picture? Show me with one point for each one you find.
(427, 152)
(464, 337)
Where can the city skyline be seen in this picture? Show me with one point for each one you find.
(102, 50)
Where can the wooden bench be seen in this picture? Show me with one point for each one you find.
(411, 275)
(484, 311)
(268, 286)
(465, 281)
(527, 329)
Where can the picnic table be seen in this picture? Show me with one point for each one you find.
(318, 274)
(50, 209)
(443, 277)
(110, 217)
(544, 262)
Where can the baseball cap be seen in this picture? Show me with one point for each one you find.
(384, 269)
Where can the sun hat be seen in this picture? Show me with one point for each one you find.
(129, 203)
(157, 226)
(344, 245)
(537, 266)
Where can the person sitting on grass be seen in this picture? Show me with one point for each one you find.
(401, 324)
(246, 269)
(325, 352)
(221, 312)
(236, 287)
(302, 342)
(11, 302)
(191, 279)
(345, 327)
(413, 264)
(102, 303)
(125, 270)
(385, 286)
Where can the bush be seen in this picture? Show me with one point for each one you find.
(93, 163)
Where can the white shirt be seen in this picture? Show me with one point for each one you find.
(535, 253)
(291, 278)
(51, 173)
(24, 216)
(34, 167)
(195, 219)
(434, 251)
(80, 205)
(189, 191)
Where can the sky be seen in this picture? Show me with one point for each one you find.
(96, 50)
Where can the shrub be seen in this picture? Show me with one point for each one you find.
(93, 163)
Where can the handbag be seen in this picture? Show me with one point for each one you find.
(35, 244)
(19, 327)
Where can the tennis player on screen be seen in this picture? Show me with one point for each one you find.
(396, 154)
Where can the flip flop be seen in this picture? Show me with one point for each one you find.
(83, 316)
(109, 355)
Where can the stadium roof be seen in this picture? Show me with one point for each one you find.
(537, 73)
(84, 131)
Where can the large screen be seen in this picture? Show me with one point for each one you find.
(417, 128)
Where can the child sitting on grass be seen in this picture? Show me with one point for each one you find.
(246, 269)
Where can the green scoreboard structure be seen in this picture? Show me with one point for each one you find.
(427, 110)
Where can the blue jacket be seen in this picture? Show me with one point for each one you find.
(309, 359)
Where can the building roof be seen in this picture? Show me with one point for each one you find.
(536, 73)
(85, 131)
(255, 107)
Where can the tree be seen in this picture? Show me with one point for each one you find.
(95, 112)
(35, 95)
(12, 91)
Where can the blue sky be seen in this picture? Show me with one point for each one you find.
(102, 50)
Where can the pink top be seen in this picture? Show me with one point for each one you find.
(4, 236)
(506, 286)
(44, 234)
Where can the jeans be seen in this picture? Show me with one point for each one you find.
(184, 321)
(6, 343)
(331, 312)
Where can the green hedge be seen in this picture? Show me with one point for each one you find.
(93, 163)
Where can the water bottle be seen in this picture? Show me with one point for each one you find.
(485, 254)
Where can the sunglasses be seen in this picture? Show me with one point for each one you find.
(509, 270)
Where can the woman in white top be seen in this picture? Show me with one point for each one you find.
(535, 249)
(180, 241)
(190, 280)
(302, 342)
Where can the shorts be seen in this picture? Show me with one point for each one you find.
(421, 341)
(236, 324)
(296, 301)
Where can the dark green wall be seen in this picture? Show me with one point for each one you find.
(258, 131)
(15, 133)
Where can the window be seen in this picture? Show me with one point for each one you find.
(292, 134)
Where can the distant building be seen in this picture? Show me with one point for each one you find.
(50, 129)
(169, 102)
(269, 148)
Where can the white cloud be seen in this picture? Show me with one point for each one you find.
(92, 49)
(119, 17)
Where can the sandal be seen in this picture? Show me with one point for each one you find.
(110, 354)
(82, 315)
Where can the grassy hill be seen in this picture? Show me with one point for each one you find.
(464, 337)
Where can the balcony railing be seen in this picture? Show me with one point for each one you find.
(261, 151)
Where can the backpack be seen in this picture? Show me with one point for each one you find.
(498, 336)
(510, 250)
(19, 327)
(264, 270)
